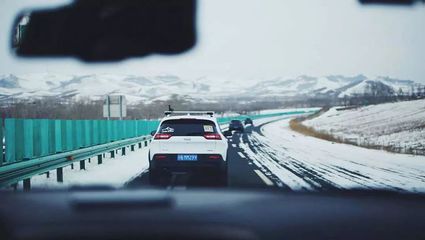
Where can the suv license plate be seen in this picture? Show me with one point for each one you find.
(187, 157)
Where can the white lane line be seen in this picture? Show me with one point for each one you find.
(258, 165)
(233, 145)
(241, 155)
(263, 177)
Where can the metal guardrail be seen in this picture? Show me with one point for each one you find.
(13, 173)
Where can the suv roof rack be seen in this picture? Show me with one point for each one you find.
(168, 113)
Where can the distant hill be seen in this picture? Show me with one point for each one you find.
(148, 89)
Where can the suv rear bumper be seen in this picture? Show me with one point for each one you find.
(204, 162)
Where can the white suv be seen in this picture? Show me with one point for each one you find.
(188, 141)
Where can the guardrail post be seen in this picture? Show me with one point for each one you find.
(113, 154)
(132, 148)
(140, 145)
(59, 174)
(82, 165)
(47, 174)
(123, 151)
(99, 159)
(89, 160)
(27, 184)
(146, 143)
(72, 166)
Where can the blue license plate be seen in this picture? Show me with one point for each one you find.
(187, 157)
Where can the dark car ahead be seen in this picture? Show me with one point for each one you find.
(248, 121)
(236, 125)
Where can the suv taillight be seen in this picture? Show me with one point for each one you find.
(212, 136)
(162, 136)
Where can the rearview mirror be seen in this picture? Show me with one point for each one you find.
(106, 30)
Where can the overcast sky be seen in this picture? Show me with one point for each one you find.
(263, 39)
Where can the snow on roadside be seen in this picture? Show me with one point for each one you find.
(306, 163)
(398, 125)
(114, 172)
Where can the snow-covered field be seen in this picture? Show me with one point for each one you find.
(114, 172)
(300, 162)
(398, 125)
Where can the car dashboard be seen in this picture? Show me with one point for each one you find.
(210, 214)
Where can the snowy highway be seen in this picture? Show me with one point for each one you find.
(269, 154)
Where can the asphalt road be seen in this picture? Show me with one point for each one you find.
(242, 172)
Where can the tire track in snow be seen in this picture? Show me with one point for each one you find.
(296, 174)
(334, 166)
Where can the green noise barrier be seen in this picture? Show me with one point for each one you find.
(26, 139)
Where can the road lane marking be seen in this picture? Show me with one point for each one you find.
(241, 155)
(258, 165)
(233, 145)
(263, 177)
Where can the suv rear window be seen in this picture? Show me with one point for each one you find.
(187, 127)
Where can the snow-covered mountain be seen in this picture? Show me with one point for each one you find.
(384, 85)
(151, 88)
(306, 85)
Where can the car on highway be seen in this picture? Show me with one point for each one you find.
(248, 121)
(188, 142)
(236, 125)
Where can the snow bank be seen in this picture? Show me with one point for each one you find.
(113, 172)
(399, 126)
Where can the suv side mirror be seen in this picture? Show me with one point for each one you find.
(227, 133)
(153, 133)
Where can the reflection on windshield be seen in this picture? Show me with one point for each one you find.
(302, 96)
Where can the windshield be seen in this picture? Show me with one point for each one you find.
(302, 95)
(187, 127)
